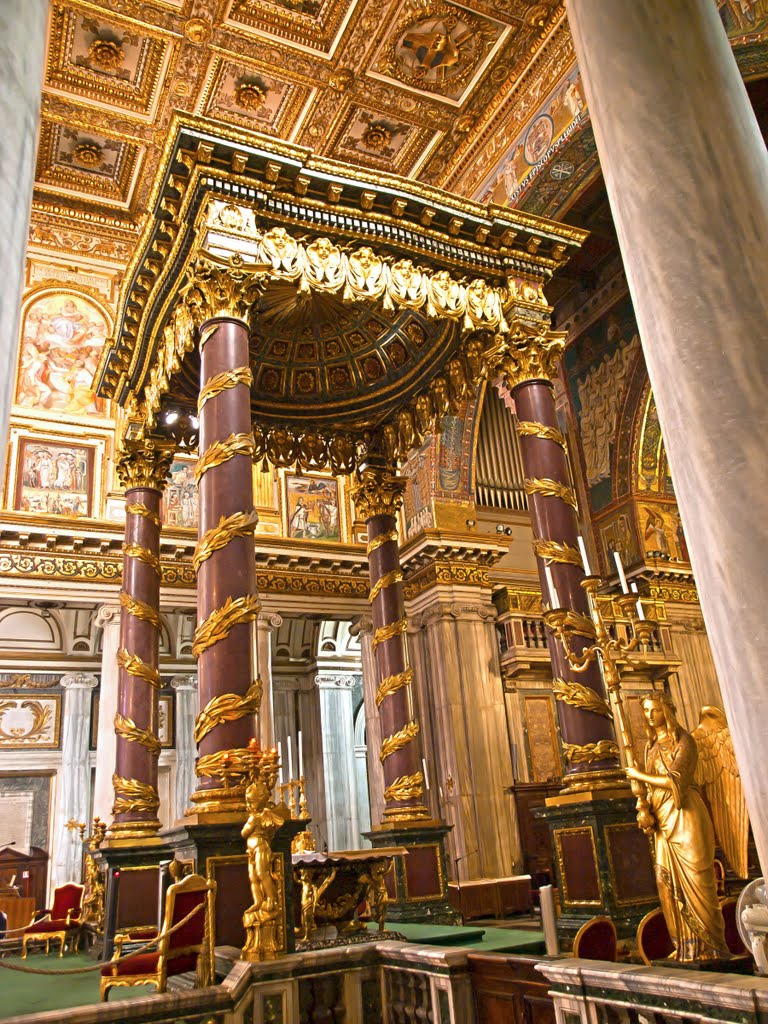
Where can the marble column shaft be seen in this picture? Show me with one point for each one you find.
(108, 620)
(339, 769)
(686, 171)
(23, 25)
(138, 746)
(401, 750)
(185, 712)
(227, 578)
(554, 519)
(372, 721)
(74, 799)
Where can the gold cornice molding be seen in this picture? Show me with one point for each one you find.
(448, 573)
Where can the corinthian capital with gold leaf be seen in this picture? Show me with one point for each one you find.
(144, 462)
(219, 287)
(378, 491)
(525, 354)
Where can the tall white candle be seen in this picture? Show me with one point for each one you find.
(424, 769)
(583, 550)
(280, 759)
(551, 584)
(620, 568)
(300, 745)
(290, 759)
(549, 920)
(639, 605)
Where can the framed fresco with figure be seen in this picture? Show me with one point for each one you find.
(179, 504)
(312, 506)
(62, 336)
(54, 478)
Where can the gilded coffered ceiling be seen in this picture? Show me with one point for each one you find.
(396, 85)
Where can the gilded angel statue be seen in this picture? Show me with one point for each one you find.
(676, 764)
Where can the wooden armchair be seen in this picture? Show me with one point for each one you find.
(186, 949)
(596, 940)
(61, 922)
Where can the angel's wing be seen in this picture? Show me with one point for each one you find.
(718, 771)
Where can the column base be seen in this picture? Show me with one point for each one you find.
(586, 782)
(134, 832)
(603, 862)
(418, 884)
(227, 800)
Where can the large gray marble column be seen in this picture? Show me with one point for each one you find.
(22, 49)
(364, 629)
(186, 750)
(687, 176)
(108, 618)
(338, 730)
(266, 623)
(74, 795)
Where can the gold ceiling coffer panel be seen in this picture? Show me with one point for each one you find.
(375, 304)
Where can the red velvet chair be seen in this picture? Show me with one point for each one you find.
(596, 940)
(653, 939)
(187, 949)
(61, 922)
(732, 938)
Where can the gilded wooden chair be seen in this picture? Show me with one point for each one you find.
(596, 940)
(60, 923)
(653, 939)
(177, 952)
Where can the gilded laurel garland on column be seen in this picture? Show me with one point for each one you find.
(532, 428)
(379, 539)
(144, 555)
(222, 451)
(134, 666)
(553, 551)
(223, 382)
(239, 524)
(138, 508)
(575, 624)
(550, 489)
(580, 696)
(224, 764)
(406, 787)
(228, 707)
(387, 580)
(586, 753)
(384, 633)
(398, 740)
(220, 622)
(140, 609)
(144, 462)
(132, 795)
(391, 684)
(378, 492)
(127, 728)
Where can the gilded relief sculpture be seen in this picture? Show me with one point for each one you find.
(264, 920)
(677, 763)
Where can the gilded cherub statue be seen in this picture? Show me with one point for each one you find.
(262, 918)
(676, 764)
(377, 896)
(311, 893)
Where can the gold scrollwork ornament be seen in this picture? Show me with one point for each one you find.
(133, 795)
(391, 684)
(239, 524)
(406, 787)
(128, 730)
(587, 753)
(391, 744)
(221, 621)
(134, 666)
(222, 451)
(228, 707)
(580, 696)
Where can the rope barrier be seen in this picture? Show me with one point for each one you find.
(99, 966)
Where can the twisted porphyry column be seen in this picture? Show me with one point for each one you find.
(229, 692)
(586, 723)
(378, 496)
(142, 466)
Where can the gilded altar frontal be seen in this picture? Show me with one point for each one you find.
(382, 524)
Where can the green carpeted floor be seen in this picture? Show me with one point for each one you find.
(34, 993)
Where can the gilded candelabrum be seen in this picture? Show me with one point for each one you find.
(93, 900)
(304, 842)
(607, 650)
